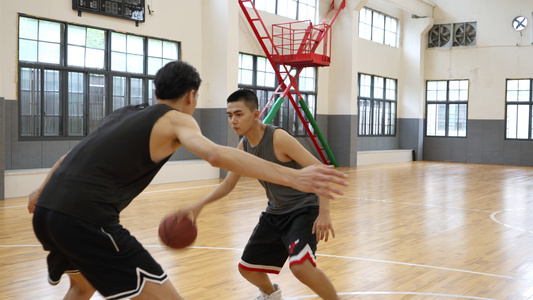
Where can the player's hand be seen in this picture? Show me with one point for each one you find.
(193, 210)
(318, 178)
(32, 200)
(322, 227)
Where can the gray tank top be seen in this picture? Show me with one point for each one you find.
(281, 199)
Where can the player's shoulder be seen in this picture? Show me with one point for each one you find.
(282, 134)
(176, 117)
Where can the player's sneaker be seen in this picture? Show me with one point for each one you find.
(274, 296)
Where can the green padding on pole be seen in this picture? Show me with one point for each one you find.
(317, 131)
(273, 111)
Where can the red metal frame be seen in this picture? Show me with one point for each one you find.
(292, 47)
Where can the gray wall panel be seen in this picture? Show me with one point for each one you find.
(485, 143)
(339, 138)
(2, 146)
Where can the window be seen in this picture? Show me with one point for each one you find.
(72, 76)
(86, 47)
(377, 105)
(377, 27)
(301, 10)
(446, 108)
(256, 73)
(518, 104)
(40, 41)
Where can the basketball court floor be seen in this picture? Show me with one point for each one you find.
(417, 230)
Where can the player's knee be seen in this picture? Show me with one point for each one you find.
(79, 292)
(80, 286)
(297, 270)
(248, 274)
(243, 272)
(301, 270)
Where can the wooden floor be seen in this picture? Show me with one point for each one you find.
(417, 230)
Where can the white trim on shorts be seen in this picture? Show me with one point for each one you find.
(306, 253)
(142, 277)
(259, 268)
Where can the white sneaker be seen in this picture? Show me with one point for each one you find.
(274, 296)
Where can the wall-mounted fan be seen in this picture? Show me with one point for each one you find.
(464, 34)
(439, 36)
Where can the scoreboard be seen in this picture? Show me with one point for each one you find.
(125, 9)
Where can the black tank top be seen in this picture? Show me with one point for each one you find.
(107, 169)
(281, 199)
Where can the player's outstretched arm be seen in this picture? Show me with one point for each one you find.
(314, 179)
(222, 190)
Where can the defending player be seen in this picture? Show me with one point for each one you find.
(293, 223)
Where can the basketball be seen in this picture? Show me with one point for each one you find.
(177, 234)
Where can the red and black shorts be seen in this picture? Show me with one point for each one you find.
(278, 237)
(111, 259)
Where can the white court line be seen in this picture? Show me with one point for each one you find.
(421, 266)
(370, 260)
(328, 255)
(493, 217)
(396, 293)
(15, 206)
(15, 246)
(416, 204)
(378, 168)
(191, 187)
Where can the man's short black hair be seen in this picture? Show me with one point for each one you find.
(248, 96)
(175, 79)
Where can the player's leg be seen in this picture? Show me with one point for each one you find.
(49, 227)
(264, 253)
(156, 291)
(259, 279)
(80, 288)
(315, 279)
(303, 245)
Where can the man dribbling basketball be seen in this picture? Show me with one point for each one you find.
(76, 210)
(293, 222)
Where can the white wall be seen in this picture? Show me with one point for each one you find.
(500, 52)
(178, 20)
(220, 48)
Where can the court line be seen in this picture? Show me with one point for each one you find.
(493, 217)
(417, 204)
(396, 293)
(421, 266)
(14, 206)
(379, 167)
(329, 255)
(159, 191)
(191, 187)
(370, 260)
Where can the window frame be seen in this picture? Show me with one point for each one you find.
(299, 3)
(447, 102)
(372, 102)
(288, 118)
(65, 70)
(384, 29)
(528, 103)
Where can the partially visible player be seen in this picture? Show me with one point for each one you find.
(293, 222)
(76, 210)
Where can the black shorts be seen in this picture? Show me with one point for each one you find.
(278, 237)
(113, 261)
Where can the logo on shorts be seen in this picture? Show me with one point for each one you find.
(293, 245)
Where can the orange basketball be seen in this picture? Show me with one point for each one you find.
(176, 233)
